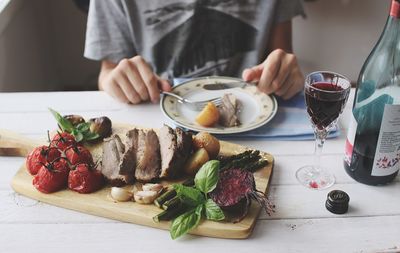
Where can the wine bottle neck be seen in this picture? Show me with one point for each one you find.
(395, 9)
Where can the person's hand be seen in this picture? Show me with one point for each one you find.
(279, 74)
(131, 81)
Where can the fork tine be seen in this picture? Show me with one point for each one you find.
(217, 101)
(205, 102)
(194, 105)
(201, 105)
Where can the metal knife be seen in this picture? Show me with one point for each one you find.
(224, 86)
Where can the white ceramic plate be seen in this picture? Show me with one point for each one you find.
(257, 107)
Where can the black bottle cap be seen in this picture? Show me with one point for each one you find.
(337, 202)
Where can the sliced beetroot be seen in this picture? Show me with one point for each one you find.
(237, 187)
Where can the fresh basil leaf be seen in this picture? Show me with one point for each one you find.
(78, 135)
(184, 223)
(189, 195)
(199, 210)
(64, 124)
(90, 136)
(213, 211)
(207, 177)
(83, 127)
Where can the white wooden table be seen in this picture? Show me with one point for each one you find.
(301, 222)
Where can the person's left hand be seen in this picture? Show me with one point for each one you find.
(279, 74)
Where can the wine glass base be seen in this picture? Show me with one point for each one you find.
(315, 177)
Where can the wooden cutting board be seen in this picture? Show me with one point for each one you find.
(101, 204)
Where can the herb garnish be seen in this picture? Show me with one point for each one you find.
(81, 132)
(196, 198)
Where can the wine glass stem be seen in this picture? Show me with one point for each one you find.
(320, 137)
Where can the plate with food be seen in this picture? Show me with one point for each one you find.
(241, 109)
(164, 178)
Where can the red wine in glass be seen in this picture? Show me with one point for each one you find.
(324, 103)
(326, 94)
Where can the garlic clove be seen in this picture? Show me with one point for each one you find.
(120, 194)
(153, 187)
(145, 197)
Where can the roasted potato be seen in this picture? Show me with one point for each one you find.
(208, 142)
(197, 160)
(209, 116)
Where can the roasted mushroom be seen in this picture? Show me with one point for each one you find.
(74, 119)
(101, 126)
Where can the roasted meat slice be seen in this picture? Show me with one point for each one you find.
(132, 138)
(113, 152)
(128, 161)
(185, 146)
(148, 160)
(169, 153)
(229, 110)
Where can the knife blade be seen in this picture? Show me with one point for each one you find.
(224, 86)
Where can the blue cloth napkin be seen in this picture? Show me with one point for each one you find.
(291, 122)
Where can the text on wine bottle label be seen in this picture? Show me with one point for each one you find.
(387, 155)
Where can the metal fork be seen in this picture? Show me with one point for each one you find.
(194, 105)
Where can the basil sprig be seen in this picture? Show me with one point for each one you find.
(197, 200)
(213, 211)
(81, 132)
(207, 177)
(184, 223)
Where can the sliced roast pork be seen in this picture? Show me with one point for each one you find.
(184, 143)
(132, 138)
(113, 152)
(128, 161)
(229, 110)
(148, 160)
(169, 153)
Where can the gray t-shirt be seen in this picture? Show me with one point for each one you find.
(186, 38)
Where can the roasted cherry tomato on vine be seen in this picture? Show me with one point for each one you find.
(39, 156)
(52, 176)
(63, 140)
(85, 179)
(78, 154)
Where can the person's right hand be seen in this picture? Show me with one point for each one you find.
(131, 81)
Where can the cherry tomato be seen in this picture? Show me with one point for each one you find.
(63, 140)
(78, 154)
(52, 176)
(39, 156)
(85, 179)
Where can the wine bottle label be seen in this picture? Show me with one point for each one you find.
(387, 154)
(351, 135)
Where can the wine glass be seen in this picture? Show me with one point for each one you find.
(326, 94)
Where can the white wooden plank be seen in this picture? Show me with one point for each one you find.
(296, 201)
(287, 165)
(63, 101)
(8, 167)
(313, 235)
(18, 209)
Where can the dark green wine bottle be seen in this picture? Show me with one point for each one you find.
(372, 152)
